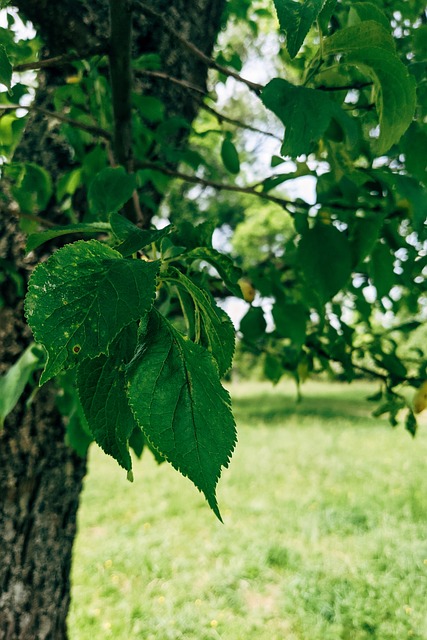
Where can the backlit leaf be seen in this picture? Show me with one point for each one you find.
(369, 47)
(296, 19)
(306, 114)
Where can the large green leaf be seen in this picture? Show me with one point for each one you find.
(295, 19)
(324, 254)
(79, 299)
(369, 47)
(109, 191)
(177, 398)
(101, 387)
(132, 237)
(306, 114)
(213, 326)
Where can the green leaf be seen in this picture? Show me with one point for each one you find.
(137, 441)
(215, 330)
(149, 108)
(326, 14)
(228, 272)
(110, 190)
(177, 398)
(325, 257)
(101, 388)
(230, 156)
(363, 235)
(194, 236)
(362, 11)
(13, 383)
(273, 369)
(290, 319)
(79, 299)
(370, 48)
(32, 186)
(5, 68)
(132, 237)
(306, 114)
(296, 19)
(76, 436)
(381, 269)
(393, 365)
(253, 324)
(411, 424)
(37, 239)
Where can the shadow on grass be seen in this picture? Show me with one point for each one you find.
(278, 408)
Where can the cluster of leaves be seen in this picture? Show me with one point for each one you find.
(91, 306)
(128, 319)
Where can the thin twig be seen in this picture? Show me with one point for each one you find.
(221, 186)
(257, 88)
(251, 190)
(59, 61)
(192, 87)
(238, 123)
(166, 76)
(92, 129)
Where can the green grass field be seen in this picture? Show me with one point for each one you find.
(325, 534)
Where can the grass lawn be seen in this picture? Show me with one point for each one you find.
(325, 534)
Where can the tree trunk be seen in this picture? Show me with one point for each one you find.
(40, 476)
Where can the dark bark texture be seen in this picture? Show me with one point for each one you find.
(40, 476)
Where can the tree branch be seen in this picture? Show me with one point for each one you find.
(92, 129)
(219, 116)
(290, 206)
(121, 80)
(212, 64)
(237, 123)
(120, 58)
(221, 186)
(165, 76)
(59, 61)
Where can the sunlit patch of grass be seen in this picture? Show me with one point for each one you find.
(325, 513)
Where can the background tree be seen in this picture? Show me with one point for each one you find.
(343, 279)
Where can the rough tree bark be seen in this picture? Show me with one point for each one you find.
(40, 476)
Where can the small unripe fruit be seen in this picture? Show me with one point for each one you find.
(247, 289)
